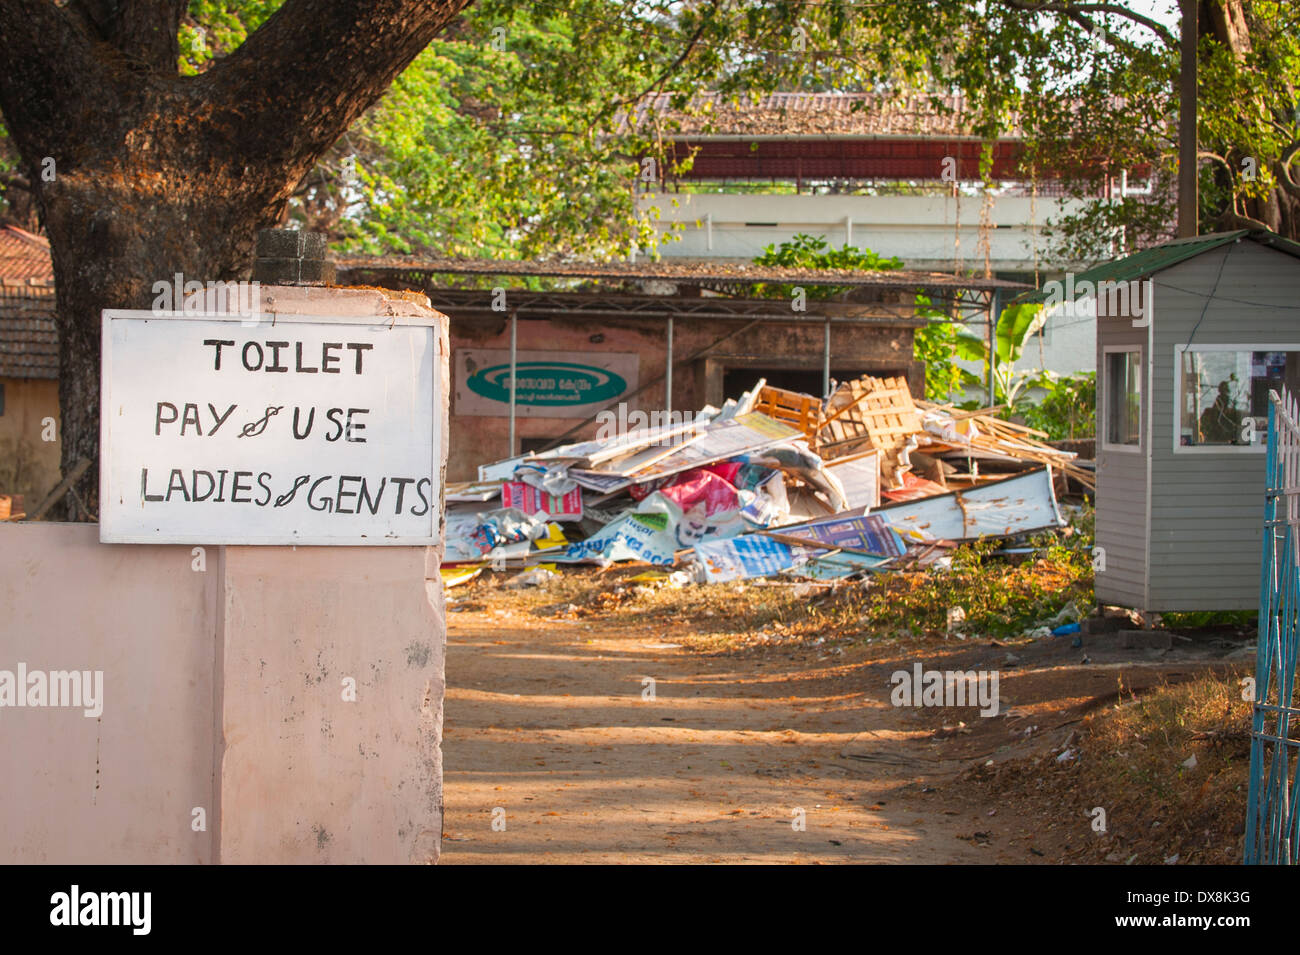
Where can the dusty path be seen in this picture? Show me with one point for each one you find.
(545, 722)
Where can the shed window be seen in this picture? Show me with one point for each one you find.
(1123, 397)
(1223, 394)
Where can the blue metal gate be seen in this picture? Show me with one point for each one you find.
(1271, 816)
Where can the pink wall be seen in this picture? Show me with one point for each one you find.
(306, 776)
(222, 690)
(120, 787)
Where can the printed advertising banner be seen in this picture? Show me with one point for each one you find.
(551, 384)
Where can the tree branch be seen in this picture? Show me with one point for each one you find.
(294, 87)
(1282, 168)
(669, 70)
(1075, 10)
(146, 32)
(46, 60)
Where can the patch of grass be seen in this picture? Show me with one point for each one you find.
(1210, 618)
(1135, 762)
(999, 596)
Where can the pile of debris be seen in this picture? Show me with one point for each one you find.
(777, 483)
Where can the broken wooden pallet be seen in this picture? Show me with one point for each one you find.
(871, 413)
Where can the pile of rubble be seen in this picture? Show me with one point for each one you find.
(777, 483)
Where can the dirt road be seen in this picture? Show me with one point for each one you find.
(552, 734)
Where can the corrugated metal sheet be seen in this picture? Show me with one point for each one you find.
(1014, 505)
(1161, 257)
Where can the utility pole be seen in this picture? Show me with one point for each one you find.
(1187, 198)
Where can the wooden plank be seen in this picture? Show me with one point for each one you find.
(62, 488)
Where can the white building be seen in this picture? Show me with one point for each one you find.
(894, 176)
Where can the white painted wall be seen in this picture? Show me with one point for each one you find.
(921, 230)
(929, 233)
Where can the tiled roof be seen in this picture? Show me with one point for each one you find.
(816, 114)
(24, 257)
(29, 338)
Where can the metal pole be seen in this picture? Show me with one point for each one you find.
(1187, 185)
(995, 309)
(514, 353)
(826, 360)
(668, 374)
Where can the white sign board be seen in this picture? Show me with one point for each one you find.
(292, 429)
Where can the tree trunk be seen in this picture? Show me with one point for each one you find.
(155, 173)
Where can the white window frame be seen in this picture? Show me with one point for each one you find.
(1179, 351)
(1103, 391)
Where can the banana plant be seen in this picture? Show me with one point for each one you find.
(1016, 325)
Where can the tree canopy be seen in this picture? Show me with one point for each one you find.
(512, 129)
(511, 134)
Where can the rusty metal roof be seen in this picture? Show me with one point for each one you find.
(685, 272)
(890, 114)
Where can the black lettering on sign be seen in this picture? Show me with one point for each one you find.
(343, 492)
(159, 421)
(253, 355)
(144, 487)
(310, 419)
(359, 349)
(299, 367)
(326, 358)
(260, 357)
(401, 490)
(177, 483)
(353, 427)
(424, 498)
(217, 343)
(333, 416)
(364, 496)
(327, 504)
(194, 485)
(236, 487)
(221, 419)
(275, 357)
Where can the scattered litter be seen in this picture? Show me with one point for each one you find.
(461, 574)
(779, 487)
(534, 577)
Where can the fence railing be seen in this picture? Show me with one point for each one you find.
(1271, 814)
